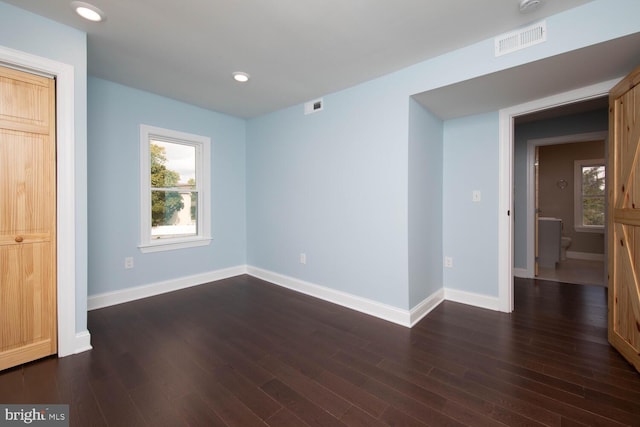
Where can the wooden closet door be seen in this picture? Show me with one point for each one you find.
(624, 218)
(27, 218)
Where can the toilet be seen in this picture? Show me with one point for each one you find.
(565, 242)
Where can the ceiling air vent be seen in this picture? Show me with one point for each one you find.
(522, 38)
(313, 106)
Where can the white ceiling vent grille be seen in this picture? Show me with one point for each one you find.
(313, 106)
(522, 38)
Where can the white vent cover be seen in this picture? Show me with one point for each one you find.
(313, 106)
(522, 38)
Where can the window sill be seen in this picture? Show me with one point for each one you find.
(173, 244)
(583, 229)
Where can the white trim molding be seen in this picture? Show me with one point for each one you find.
(66, 187)
(505, 202)
(505, 211)
(425, 307)
(131, 294)
(202, 148)
(83, 342)
(373, 308)
(363, 305)
(406, 318)
(470, 298)
(522, 272)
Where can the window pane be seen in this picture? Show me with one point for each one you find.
(172, 165)
(175, 189)
(593, 211)
(172, 214)
(194, 207)
(593, 181)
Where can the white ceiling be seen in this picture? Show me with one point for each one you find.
(294, 50)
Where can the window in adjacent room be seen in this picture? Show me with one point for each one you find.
(175, 207)
(589, 206)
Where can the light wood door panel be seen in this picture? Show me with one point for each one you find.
(624, 218)
(27, 218)
(24, 102)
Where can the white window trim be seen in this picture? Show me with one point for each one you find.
(203, 177)
(577, 196)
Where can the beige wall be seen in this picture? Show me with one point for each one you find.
(556, 162)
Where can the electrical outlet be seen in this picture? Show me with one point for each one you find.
(128, 262)
(448, 262)
(303, 258)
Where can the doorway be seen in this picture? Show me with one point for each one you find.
(507, 119)
(28, 221)
(554, 198)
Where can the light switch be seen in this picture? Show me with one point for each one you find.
(476, 196)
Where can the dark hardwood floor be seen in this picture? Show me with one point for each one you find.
(242, 352)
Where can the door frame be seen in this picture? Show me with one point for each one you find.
(531, 147)
(68, 341)
(505, 176)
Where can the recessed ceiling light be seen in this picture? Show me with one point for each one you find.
(527, 6)
(88, 11)
(241, 77)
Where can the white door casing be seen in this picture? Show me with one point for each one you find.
(69, 341)
(505, 199)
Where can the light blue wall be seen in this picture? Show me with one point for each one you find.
(333, 185)
(470, 229)
(115, 114)
(26, 32)
(425, 203)
(336, 184)
(593, 121)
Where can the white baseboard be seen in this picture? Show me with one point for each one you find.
(125, 295)
(521, 272)
(83, 342)
(470, 298)
(588, 256)
(363, 305)
(407, 318)
(419, 311)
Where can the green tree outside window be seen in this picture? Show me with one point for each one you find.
(163, 203)
(593, 206)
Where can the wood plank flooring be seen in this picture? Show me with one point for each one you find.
(241, 352)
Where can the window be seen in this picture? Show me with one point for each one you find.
(174, 189)
(589, 206)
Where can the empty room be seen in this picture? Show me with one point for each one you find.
(298, 213)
